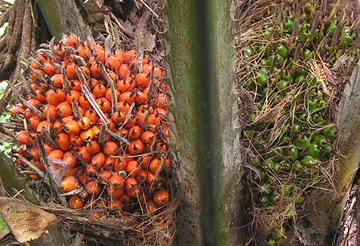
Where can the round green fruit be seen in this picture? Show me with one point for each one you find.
(261, 79)
(309, 161)
(282, 51)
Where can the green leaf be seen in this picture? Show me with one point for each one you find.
(4, 228)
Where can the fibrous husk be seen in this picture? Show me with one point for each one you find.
(148, 229)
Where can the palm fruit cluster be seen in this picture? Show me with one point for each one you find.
(292, 128)
(94, 121)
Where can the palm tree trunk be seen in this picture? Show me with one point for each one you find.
(206, 143)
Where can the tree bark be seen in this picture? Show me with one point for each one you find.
(207, 144)
(12, 182)
(184, 70)
(63, 16)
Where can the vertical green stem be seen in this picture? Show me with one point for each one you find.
(201, 64)
(184, 59)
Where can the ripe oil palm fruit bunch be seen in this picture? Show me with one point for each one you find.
(296, 63)
(95, 123)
